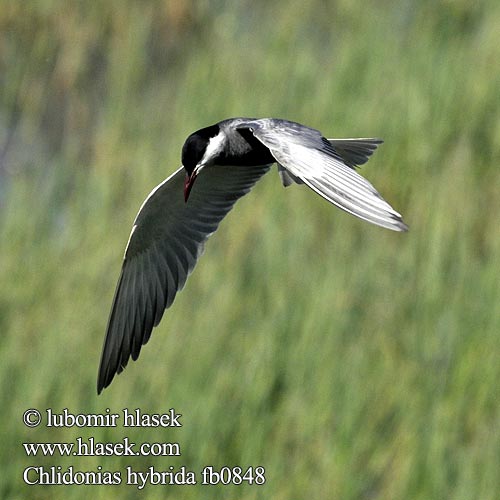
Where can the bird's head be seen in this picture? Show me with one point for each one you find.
(201, 149)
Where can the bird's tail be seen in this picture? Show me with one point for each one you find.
(355, 152)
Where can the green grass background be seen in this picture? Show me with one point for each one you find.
(349, 361)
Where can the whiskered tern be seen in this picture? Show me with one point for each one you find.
(220, 164)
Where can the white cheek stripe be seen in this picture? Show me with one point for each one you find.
(214, 146)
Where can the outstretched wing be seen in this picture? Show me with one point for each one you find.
(166, 241)
(325, 165)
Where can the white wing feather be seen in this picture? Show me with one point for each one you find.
(313, 159)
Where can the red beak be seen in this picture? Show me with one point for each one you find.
(188, 184)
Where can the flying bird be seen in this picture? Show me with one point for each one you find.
(220, 164)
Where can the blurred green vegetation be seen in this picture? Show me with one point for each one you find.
(349, 361)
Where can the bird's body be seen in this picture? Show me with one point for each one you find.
(241, 147)
(225, 160)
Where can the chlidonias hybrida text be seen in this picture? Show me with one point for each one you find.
(220, 164)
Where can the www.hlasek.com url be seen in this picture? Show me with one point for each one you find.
(90, 447)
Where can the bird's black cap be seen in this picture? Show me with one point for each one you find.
(195, 146)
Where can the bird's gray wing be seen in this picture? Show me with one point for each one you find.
(314, 160)
(166, 241)
(353, 152)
